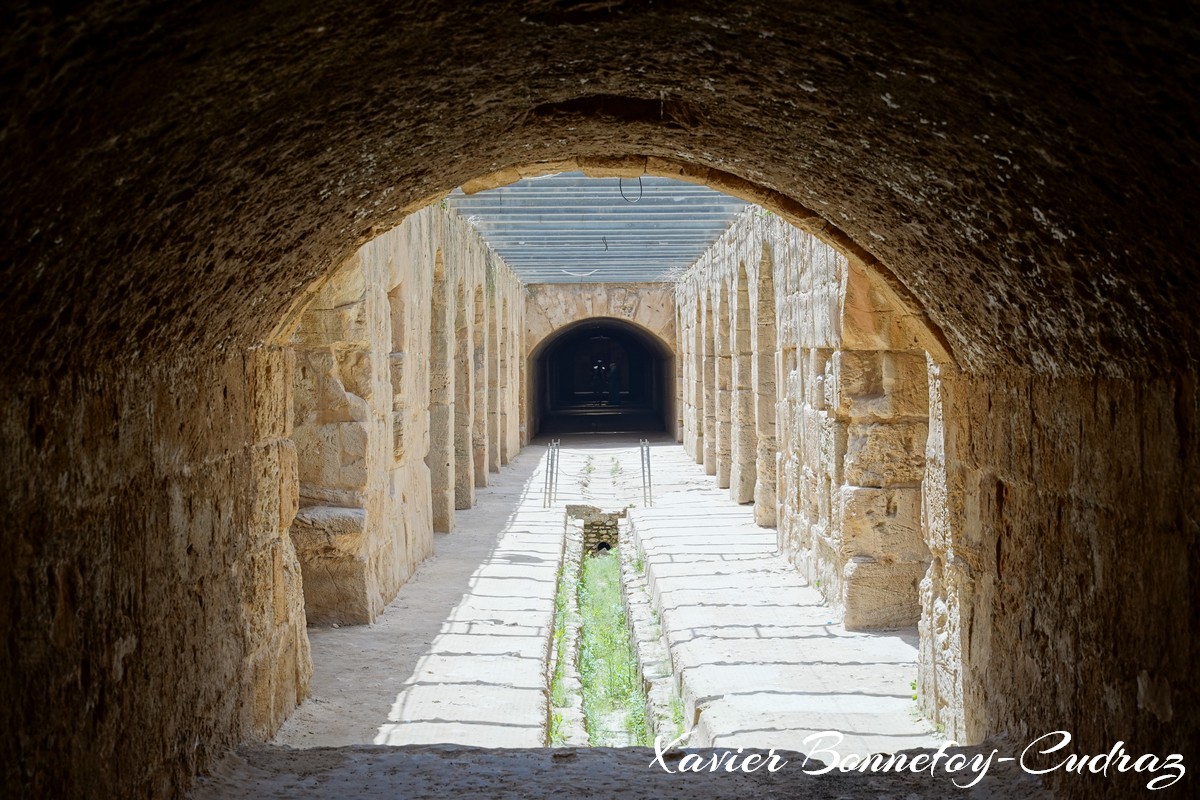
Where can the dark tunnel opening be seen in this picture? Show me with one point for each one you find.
(602, 376)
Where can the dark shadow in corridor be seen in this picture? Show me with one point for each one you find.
(601, 376)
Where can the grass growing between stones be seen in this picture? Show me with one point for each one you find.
(563, 679)
(559, 693)
(613, 702)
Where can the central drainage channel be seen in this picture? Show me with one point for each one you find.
(597, 694)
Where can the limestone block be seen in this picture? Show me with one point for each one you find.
(396, 374)
(885, 455)
(807, 496)
(270, 402)
(402, 431)
(813, 387)
(306, 382)
(332, 455)
(880, 523)
(807, 423)
(346, 286)
(320, 394)
(833, 444)
(324, 327)
(876, 594)
(328, 531)
(330, 544)
(944, 599)
(879, 385)
(906, 381)
(289, 484)
(356, 372)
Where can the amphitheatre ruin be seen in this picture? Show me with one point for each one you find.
(387, 383)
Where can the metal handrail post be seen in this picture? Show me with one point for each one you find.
(649, 477)
(554, 477)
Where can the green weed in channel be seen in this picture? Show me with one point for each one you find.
(612, 688)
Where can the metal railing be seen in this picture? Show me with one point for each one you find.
(647, 486)
(550, 486)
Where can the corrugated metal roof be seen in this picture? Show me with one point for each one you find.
(569, 228)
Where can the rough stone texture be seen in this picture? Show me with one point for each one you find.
(598, 527)
(166, 641)
(1027, 481)
(852, 416)
(364, 401)
(178, 176)
(554, 308)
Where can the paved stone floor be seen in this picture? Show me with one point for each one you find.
(758, 656)
(460, 654)
(460, 657)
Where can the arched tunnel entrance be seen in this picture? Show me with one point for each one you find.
(601, 375)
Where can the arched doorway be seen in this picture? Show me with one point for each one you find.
(601, 375)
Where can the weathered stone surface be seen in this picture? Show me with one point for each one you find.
(329, 544)
(882, 523)
(880, 594)
(367, 409)
(179, 183)
(885, 455)
(879, 385)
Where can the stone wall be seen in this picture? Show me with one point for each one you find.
(379, 402)
(1050, 522)
(650, 307)
(154, 604)
(805, 384)
(1062, 516)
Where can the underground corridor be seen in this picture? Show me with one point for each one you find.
(430, 399)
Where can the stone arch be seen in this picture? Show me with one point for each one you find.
(554, 306)
(660, 378)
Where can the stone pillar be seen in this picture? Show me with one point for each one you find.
(523, 388)
(685, 348)
(479, 360)
(724, 377)
(951, 631)
(881, 398)
(743, 455)
(441, 400)
(464, 401)
(504, 389)
(493, 374)
(764, 391)
(696, 343)
(710, 386)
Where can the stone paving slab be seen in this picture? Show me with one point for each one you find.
(460, 655)
(757, 656)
